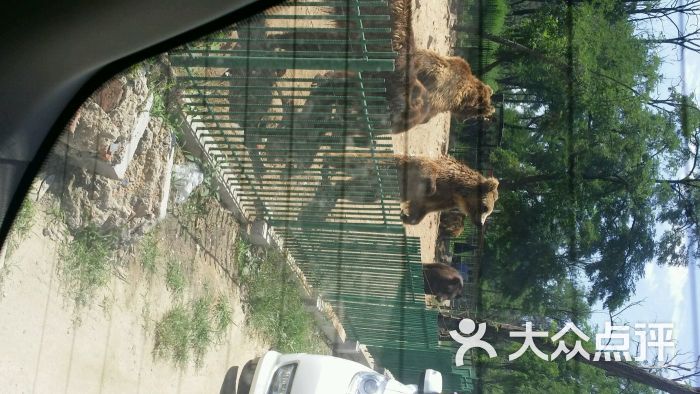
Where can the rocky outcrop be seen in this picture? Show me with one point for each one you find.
(107, 129)
(115, 161)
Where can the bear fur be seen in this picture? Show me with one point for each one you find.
(426, 83)
(442, 281)
(452, 86)
(425, 184)
(437, 184)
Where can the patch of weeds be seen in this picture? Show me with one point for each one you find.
(146, 316)
(21, 226)
(202, 331)
(275, 308)
(164, 106)
(188, 332)
(149, 253)
(86, 263)
(209, 188)
(4, 269)
(25, 219)
(19, 230)
(55, 214)
(223, 315)
(172, 339)
(175, 279)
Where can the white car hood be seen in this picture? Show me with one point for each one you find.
(324, 375)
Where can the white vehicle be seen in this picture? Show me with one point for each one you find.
(276, 373)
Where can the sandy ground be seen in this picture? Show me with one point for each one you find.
(111, 350)
(431, 24)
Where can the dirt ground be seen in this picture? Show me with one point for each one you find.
(111, 351)
(430, 139)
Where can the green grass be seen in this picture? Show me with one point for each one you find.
(24, 220)
(86, 264)
(164, 107)
(223, 315)
(188, 332)
(172, 339)
(150, 253)
(202, 330)
(20, 228)
(197, 204)
(175, 279)
(275, 309)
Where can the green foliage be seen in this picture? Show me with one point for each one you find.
(197, 204)
(175, 279)
(201, 329)
(530, 374)
(188, 332)
(558, 302)
(86, 263)
(24, 219)
(172, 336)
(479, 17)
(165, 105)
(223, 314)
(209, 188)
(275, 309)
(20, 228)
(581, 155)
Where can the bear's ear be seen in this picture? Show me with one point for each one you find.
(489, 185)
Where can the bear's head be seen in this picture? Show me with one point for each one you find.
(480, 205)
(452, 223)
(477, 103)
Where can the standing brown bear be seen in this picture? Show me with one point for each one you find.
(426, 83)
(430, 185)
(452, 86)
(426, 184)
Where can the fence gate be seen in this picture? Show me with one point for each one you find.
(291, 107)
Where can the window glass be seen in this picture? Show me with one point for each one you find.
(340, 195)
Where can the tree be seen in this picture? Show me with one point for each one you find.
(585, 160)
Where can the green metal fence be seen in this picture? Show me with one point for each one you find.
(290, 107)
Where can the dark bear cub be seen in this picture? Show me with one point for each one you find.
(442, 281)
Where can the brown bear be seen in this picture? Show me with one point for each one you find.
(425, 184)
(426, 83)
(442, 281)
(438, 184)
(451, 223)
(451, 86)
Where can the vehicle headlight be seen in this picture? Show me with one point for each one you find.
(282, 380)
(367, 383)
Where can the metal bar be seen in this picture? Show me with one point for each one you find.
(274, 62)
